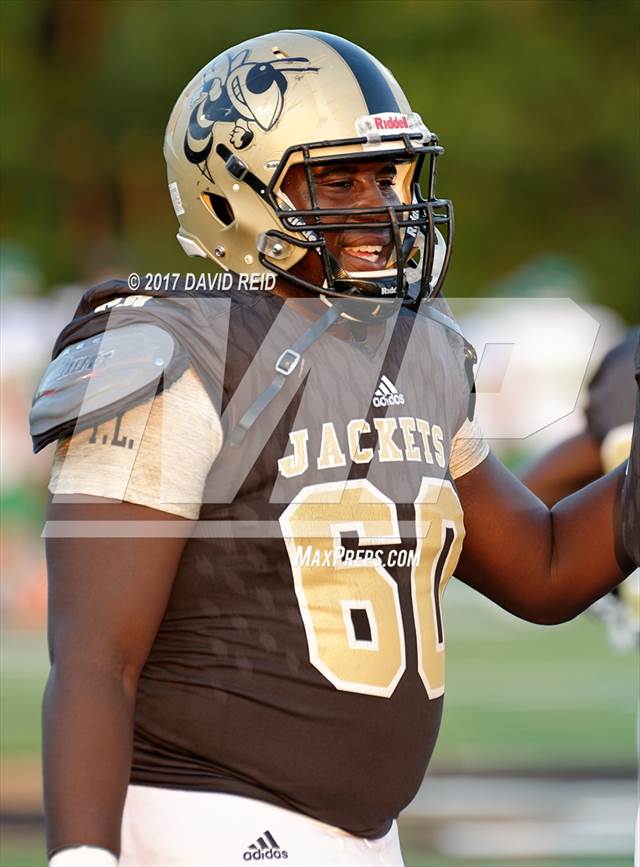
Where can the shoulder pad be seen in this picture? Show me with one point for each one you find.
(470, 355)
(97, 378)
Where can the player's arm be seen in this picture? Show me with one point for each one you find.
(542, 565)
(570, 465)
(106, 600)
(108, 593)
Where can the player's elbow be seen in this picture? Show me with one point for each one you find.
(553, 618)
(550, 612)
(101, 668)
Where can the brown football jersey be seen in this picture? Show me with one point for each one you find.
(301, 656)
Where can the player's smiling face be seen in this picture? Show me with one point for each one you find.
(369, 184)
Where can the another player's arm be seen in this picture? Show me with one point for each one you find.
(106, 600)
(544, 565)
(572, 464)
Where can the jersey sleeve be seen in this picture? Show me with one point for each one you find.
(469, 448)
(157, 454)
(611, 400)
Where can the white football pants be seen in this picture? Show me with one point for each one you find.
(167, 827)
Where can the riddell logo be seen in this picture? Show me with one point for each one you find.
(374, 126)
(265, 849)
(396, 121)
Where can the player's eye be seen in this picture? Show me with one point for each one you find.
(342, 184)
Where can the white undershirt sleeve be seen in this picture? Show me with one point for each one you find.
(157, 454)
(469, 448)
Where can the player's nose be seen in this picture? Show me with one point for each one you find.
(370, 195)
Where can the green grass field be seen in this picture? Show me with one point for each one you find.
(520, 698)
(528, 697)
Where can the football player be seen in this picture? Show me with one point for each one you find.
(631, 523)
(267, 491)
(605, 442)
(631, 489)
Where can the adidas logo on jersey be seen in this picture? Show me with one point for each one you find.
(265, 849)
(386, 394)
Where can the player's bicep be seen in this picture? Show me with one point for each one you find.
(570, 465)
(108, 590)
(115, 530)
(542, 565)
(508, 542)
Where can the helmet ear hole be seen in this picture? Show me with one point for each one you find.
(219, 207)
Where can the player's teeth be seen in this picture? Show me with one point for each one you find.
(370, 248)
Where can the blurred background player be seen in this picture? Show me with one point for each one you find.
(631, 526)
(610, 436)
(604, 442)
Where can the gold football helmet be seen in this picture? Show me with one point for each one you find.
(304, 98)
